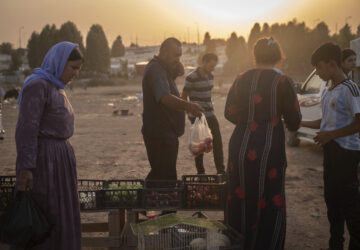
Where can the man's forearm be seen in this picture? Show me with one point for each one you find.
(174, 102)
(311, 124)
(184, 95)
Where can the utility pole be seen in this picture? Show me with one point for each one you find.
(21, 28)
(188, 35)
(346, 19)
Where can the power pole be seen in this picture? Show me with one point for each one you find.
(21, 28)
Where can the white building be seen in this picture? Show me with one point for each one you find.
(5, 61)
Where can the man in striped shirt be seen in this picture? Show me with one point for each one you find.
(198, 86)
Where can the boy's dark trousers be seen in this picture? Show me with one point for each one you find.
(217, 147)
(342, 194)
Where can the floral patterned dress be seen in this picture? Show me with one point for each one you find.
(257, 102)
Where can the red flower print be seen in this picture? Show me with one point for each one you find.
(275, 121)
(229, 197)
(296, 105)
(232, 109)
(252, 155)
(240, 192)
(256, 98)
(279, 201)
(231, 167)
(262, 203)
(272, 173)
(282, 78)
(253, 126)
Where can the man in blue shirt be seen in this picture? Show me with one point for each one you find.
(339, 135)
(163, 114)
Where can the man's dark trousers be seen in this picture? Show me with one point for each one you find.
(162, 154)
(217, 147)
(342, 194)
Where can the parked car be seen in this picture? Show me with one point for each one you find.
(309, 95)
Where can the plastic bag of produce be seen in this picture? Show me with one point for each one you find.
(200, 137)
(23, 223)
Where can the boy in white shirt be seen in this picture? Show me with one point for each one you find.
(339, 135)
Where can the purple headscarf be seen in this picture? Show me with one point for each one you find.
(52, 66)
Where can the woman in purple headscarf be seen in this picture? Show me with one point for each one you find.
(45, 158)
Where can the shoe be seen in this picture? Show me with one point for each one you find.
(222, 172)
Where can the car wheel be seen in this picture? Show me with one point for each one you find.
(291, 139)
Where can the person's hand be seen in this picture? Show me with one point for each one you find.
(195, 109)
(25, 180)
(323, 137)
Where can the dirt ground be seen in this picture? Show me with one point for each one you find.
(109, 146)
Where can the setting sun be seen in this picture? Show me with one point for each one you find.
(230, 10)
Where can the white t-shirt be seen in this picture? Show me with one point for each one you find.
(339, 107)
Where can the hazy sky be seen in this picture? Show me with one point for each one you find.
(151, 20)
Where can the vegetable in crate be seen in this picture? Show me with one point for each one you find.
(129, 194)
(203, 194)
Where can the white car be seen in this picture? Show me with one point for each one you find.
(309, 95)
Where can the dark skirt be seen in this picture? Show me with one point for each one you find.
(55, 186)
(256, 180)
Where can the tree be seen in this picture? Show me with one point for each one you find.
(6, 48)
(265, 30)
(118, 48)
(69, 32)
(345, 36)
(16, 60)
(97, 50)
(49, 36)
(207, 38)
(34, 50)
(358, 31)
(236, 53)
(255, 34)
(39, 44)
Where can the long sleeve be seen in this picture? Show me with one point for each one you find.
(289, 104)
(231, 106)
(27, 128)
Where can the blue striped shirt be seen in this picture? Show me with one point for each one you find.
(199, 89)
(339, 107)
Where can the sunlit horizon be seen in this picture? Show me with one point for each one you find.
(149, 22)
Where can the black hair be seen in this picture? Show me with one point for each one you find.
(76, 55)
(346, 53)
(267, 51)
(165, 45)
(209, 57)
(326, 53)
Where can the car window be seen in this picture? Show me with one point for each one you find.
(313, 85)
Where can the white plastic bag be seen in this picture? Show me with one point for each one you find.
(200, 137)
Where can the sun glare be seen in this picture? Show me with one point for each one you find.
(233, 10)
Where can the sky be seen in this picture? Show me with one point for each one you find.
(150, 21)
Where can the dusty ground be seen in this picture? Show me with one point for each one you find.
(111, 146)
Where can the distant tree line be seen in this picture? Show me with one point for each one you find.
(296, 39)
(97, 52)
